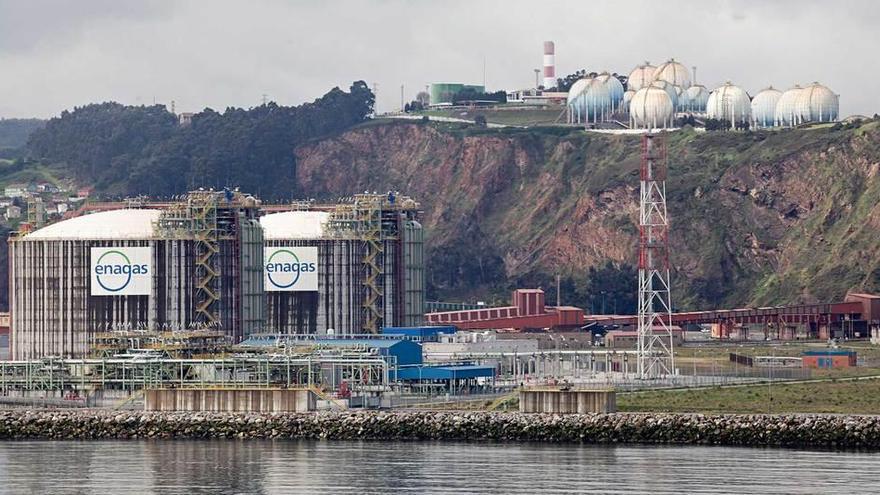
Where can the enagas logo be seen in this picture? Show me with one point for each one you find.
(291, 269)
(121, 271)
(114, 269)
(284, 268)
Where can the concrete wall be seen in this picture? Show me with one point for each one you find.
(230, 400)
(546, 400)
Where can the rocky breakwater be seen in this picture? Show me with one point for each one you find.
(819, 431)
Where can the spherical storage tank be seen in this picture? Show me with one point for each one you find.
(817, 103)
(670, 90)
(786, 107)
(615, 89)
(764, 107)
(674, 73)
(729, 102)
(627, 97)
(682, 100)
(698, 95)
(651, 107)
(589, 101)
(640, 77)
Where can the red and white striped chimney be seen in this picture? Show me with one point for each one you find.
(549, 65)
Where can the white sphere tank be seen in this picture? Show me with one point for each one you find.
(817, 103)
(615, 88)
(764, 107)
(576, 88)
(651, 108)
(591, 104)
(698, 95)
(675, 73)
(670, 90)
(729, 102)
(627, 97)
(786, 108)
(640, 77)
(683, 101)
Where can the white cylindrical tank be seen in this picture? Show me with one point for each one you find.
(591, 103)
(729, 102)
(549, 65)
(786, 108)
(764, 107)
(816, 103)
(698, 95)
(640, 77)
(651, 108)
(615, 89)
(670, 90)
(674, 73)
(627, 97)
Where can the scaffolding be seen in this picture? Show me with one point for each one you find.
(214, 221)
(373, 219)
(368, 373)
(179, 344)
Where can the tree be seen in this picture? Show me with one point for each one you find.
(130, 150)
(423, 98)
(480, 120)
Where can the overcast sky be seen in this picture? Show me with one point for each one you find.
(55, 55)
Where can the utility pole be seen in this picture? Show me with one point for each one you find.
(401, 97)
(265, 98)
(375, 99)
(655, 353)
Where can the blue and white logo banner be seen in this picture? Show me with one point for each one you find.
(289, 269)
(122, 271)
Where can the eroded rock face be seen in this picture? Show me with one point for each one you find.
(756, 217)
(818, 431)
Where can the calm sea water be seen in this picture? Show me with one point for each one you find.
(238, 466)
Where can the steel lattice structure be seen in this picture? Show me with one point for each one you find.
(655, 353)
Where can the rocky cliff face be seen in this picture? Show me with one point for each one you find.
(757, 218)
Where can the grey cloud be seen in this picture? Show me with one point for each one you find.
(229, 53)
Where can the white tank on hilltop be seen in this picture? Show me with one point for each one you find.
(670, 90)
(651, 108)
(764, 107)
(786, 114)
(729, 102)
(589, 102)
(640, 77)
(698, 95)
(675, 73)
(817, 103)
(615, 89)
(627, 98)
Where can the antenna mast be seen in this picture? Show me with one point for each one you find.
(655, 354)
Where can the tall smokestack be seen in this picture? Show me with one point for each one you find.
(549, 65)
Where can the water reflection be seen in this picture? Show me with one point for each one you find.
(245, 466)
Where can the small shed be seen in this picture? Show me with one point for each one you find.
(829, 358)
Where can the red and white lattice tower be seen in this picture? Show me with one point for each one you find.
(655, 353)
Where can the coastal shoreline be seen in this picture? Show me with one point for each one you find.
(800, 431)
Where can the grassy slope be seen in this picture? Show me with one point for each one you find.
(835, 396)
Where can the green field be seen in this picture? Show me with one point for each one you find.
(832, 396)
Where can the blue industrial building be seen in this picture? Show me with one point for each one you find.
(404, 351)
(444, 372)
